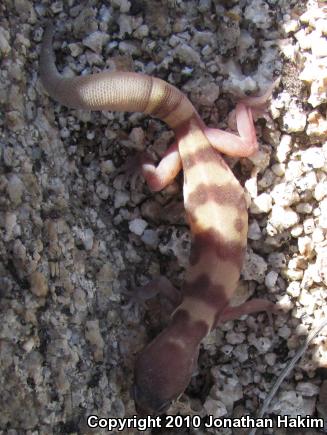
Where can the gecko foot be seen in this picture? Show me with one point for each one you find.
(138, 296)
(249, 307)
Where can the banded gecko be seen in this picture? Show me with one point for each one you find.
(214, 203)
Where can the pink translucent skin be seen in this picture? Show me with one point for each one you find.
(164, 368)
(242, 145)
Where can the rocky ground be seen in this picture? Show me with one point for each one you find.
(77, 235)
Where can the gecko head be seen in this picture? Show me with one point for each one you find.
(164, 368)
(162, 372)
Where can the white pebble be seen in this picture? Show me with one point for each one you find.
(318, 44)
(295, 119)
(306, 246)
(285, 194)
(307, 299)
(307, 182)
(270, 358)
(251, 187)
(235, 337)
(271, 279)
(308, 389)
(150, 238)
(141, 32)
(294, 289)
(308, 225)
(277, 260)
(285, 303)
(240, 352)
(284, 331)
(102, 190)
(137, 136)
(214, 408)
(227, 349)
(321, 25)
(258, 12)
(127, 47)
(121, 198)
(320, 191)
(75, 49)
(302, 37)
(294, 275)
(293, 171)
(208, 94)
(284, 148)
(262, 344)
(289, 25)
(261, 159)
(293, 404)
(174, 41)
(317, 126)
(323, 215)
(318, 235)
(313, 158)
(321, 265)
(228, 390)
(125, 25)
(187, 54)
(123, 5)
(95, 41)
(85, 236)
(261, 204)
(297, 230)
(283, 218)
(137, 226)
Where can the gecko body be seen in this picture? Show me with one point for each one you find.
(215, 208)
(216, 212)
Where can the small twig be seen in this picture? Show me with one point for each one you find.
(287, 371)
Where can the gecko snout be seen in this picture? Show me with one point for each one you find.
(155, 384)
(145, 404)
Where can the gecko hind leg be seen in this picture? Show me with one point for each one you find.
(248, 307)
(245, 144)
(158, 177)
(138, 296)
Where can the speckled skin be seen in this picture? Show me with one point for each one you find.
(215, 208)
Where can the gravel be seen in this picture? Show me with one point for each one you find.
(76, 233)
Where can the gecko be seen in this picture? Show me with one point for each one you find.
(215, 208)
